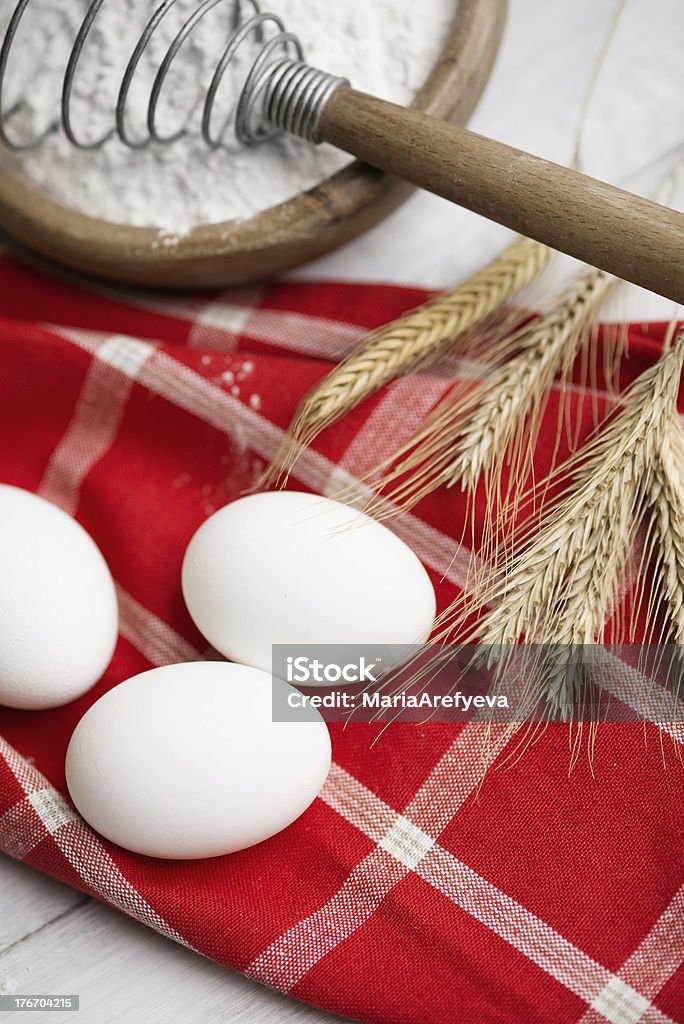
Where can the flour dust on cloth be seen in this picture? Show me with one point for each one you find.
(427, 884)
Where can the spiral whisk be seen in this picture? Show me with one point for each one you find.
(279, 91)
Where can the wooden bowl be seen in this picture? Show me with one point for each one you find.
(299, 230)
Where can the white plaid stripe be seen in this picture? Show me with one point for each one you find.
(406, 843)
(651, 965)
(295, 953)
(93, 428)
(52, 809)
(652, 1015)
(28, 777)
(21, 829)
(307, 335)
(91, 432)
(128, 355)
(643, 695)
(165, 376)
(82, 849)
(178, 384)
(160, 644)
(450, 782)
(464, 887)
(221, 321)
(218, 322)
(647, 968)
(96, 420)
(620, 1004)
(544, 946)
(374, 818)
(401, 409)
(39, 814)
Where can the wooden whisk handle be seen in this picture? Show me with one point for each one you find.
(630, 237)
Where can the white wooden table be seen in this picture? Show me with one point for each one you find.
(55, 940)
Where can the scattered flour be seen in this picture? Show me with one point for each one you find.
(386, 47)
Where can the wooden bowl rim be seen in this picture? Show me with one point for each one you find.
(295, 231)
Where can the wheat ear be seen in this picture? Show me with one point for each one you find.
(412, 342)
(549, 346)
(561, 588)
(468, 434)
(504, 427)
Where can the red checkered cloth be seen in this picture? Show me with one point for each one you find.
(411, 891)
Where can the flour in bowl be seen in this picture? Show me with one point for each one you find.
(385, 47)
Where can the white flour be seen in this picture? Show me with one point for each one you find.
(386, 47)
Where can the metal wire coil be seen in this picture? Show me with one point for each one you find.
(281, 93)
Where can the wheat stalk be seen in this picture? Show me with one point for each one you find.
(549, 347)
(469, 434)
(667, 500)
(504, 427)
(410, 343)
(560, 589)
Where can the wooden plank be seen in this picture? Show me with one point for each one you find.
(122, 971)
(29, 901)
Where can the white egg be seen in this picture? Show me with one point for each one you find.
(291, 568)
(186, 762)
(58, 609)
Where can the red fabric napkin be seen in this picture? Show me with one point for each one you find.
(413, 890)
